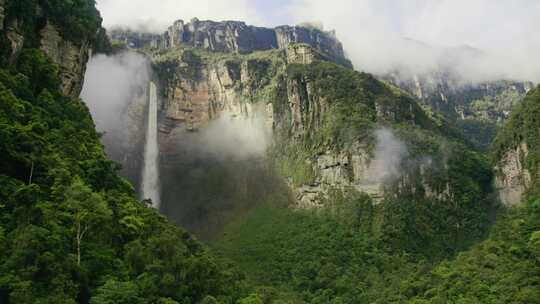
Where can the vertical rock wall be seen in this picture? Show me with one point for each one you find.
(236, 37)
(513, 179)
(70, 58)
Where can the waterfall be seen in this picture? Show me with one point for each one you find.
(150, 179)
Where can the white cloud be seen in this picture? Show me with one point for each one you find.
(373, 32)
(157, 15)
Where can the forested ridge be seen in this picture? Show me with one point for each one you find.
(71, 229)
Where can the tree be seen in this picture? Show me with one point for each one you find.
(87, 210)
(251, 299)
(115, 292)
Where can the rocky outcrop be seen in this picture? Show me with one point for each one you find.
(235, 37)
(325, 42)
(513, 179)
(339, 170)
(70, 58)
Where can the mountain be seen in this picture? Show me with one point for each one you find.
(329, 130)
(476, 107)
(309, 182)
(282, 157)
(233, 37)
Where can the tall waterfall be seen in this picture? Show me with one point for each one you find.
(150, 179)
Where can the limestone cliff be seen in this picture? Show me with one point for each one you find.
(234, 37)
(324, 120)
(69, 53)
(516, 152)
(69, 57)
(514, 178)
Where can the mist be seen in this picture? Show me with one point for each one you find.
(212, 174)
(475, 40)
(388, 157)
(111, 83)
(478, 40)
(156, 16)
(115, 90)
(237, 138)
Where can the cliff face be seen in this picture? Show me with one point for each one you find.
(477, 108)
(71, 57)
(235, 37)
(517, 152)
(325, 122)
(513, 178)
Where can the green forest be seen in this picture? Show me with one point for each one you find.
(73, 231)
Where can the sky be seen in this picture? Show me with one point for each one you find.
(378, 35)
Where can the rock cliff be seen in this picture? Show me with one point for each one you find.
(324, 120)
(477, 108)
(235, 37)
(514, 178)
(516, 151)
(71, 56)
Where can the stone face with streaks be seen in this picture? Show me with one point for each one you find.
(513, 178)
(238, 37)
(70, 58)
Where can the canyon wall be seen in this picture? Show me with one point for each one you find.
(70, 56)
(200, 88)
(234, 37)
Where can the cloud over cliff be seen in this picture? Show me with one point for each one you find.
(477, 39)
(420, 35)
(156, 16)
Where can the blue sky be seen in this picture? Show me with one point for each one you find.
(271, 11)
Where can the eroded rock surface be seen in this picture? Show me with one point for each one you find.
(513, 179)
(70, 58)
(237, 37)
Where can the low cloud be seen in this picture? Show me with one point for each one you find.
(236, 137)
(419, 36)
(388, 157)
(156, 16)
(113, 84)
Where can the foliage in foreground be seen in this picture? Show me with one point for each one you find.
(340, 257)
(71, 230)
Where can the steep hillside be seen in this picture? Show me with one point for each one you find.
(505, 267)
(236, 128)
(354, 253)
(516, 151)
(321, 183)
(71, 230)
